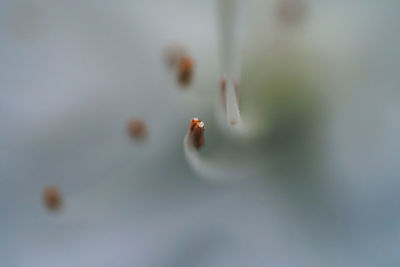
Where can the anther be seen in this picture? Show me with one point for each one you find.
(236, 87)
(196, 133)
(185, 71)
(137, 129)
(222, 92)
(52, 198)
(291, 12)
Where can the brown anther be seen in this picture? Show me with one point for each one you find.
(196, 133)
(52, 198)
(222, 92)
(137, 129)
(291, 12)
(185, 70)
(236, 87)
(223, 83)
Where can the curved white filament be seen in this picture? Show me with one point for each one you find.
(206, 169)
(216, 171)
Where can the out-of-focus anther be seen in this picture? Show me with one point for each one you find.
(178, 59)
(137, 129)
(173, 53)
(196, 133)
(52, 198)
(291, 12)
(236, 88)
(185, 71)
(222, 92)
(223, 83)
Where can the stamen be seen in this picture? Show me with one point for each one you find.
(194, 139)
(177, 58)
(196, 133)
(185, 71)
(52, 198)
(231, 23)
(223, 92)
(137, 129)
(207, 168)
(236, 87)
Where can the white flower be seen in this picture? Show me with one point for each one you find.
(310, 178)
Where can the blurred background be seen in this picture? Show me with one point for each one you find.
(313, 182)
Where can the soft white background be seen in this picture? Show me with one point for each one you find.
(73, 72)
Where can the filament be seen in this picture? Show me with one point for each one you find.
(231, 23)
(208, 168)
